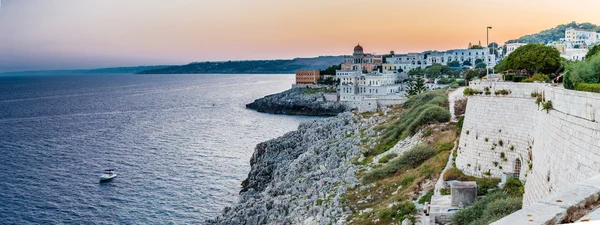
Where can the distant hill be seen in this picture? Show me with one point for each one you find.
(554, 34)
(251, 66)
(133, 69)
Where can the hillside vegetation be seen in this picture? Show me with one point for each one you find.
(251, 66)
(554, 34)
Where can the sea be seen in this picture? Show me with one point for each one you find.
(180, 145)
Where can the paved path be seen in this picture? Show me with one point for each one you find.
(455, 95)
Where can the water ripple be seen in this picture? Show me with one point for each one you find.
(180, 143)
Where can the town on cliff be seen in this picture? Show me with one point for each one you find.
(485, 135)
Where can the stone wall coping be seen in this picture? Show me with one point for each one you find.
(564, 206)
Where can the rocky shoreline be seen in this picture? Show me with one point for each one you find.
(297, 101)
(301, 177)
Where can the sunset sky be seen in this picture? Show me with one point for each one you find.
(67, 34)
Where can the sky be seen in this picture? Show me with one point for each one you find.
(71, 34)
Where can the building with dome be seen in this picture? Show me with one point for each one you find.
(359, 61)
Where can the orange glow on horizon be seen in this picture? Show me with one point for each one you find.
(181, 31)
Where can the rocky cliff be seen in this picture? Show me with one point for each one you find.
(302, 176)
(298, 101)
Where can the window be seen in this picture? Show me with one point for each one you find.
(517, 169)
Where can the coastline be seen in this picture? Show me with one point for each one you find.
(302, 176)
(298, 101)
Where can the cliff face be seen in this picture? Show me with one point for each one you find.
(298, 101)
(301, 176)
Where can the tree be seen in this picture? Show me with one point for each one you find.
(467, 63)
(416, 72)
(415, 87)
(592, 52)
(534, 58)
(392, 53)
(576, 46)
(454, 64)
(437, 70)
(400, 70)
(478, 61)
(480, 65)
(470, 74)
(493, 45)
(587, 71)
(331, 70)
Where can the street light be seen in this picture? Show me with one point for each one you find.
(487, 61)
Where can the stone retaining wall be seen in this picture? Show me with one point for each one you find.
(550, 151)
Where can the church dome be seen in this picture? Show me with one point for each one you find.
(358, 48)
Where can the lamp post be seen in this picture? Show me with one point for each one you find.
(487, 61)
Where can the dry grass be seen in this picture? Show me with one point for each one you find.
(401, 187)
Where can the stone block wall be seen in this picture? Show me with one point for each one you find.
(555, 149)
(492, 126)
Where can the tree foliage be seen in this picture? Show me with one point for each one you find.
(535, 58)
(587, 71)
(470, 74)
(593, 51)
(415, 86)
(416, 72)
(553, 34)
(436, 70)
(467, 63)
(331, 70)
(454, 64)
(480, 65)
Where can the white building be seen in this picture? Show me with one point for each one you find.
(511, 47)
(575, 54)
(358, 90)
(409, 61)
(581, 37)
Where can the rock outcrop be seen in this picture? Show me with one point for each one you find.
(297, 101)
(300, 178)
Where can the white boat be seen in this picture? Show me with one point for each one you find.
(108, 175)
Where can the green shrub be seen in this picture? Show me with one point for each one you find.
(502, 92)
(426, 197)
(459, 124)
(487, 210)
(407, 180)
(421, 110)
(486, 139)
(512, 148)
(588, 87)
(454, 85)
(498, 209)
(427, 133)
(471, 91)
(495, 163)
(547, 106)
(513, 187)
(500, 142)
(446, 146)
(445, 191)
(518, 78)
(461, 82)
(387, 158)
(502, 155)
(405, 210)
(508, 77)
(537, 77)
(409, 159)
(587, 71)
(386, 214)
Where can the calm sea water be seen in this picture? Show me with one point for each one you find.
(180, 144)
